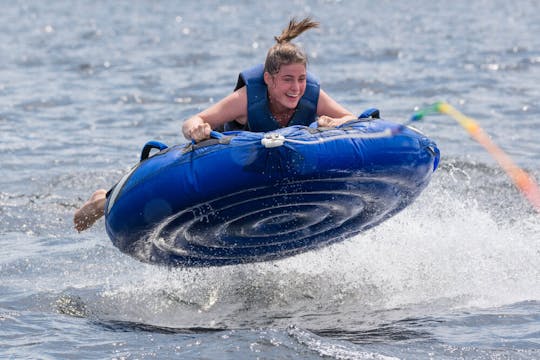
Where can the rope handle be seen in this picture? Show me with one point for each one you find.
(213, 135)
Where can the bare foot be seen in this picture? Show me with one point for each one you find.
(91, 211)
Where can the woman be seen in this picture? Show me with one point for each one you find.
(275, 97)
(281, 94)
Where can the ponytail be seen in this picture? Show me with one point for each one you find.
(284, 52)
(294, 29)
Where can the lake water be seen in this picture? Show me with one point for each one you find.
(83, 85)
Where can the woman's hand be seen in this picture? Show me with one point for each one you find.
(200, 132)
(327, 121)
(196, 129)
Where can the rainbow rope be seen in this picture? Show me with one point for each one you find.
(523, 181)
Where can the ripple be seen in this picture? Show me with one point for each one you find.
(262, 224)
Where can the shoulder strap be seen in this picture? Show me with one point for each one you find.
(306, 111)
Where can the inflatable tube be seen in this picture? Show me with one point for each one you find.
(246, 197)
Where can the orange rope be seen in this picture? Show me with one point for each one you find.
(523, 181)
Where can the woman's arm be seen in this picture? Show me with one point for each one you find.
(231, 107)
(330, 112)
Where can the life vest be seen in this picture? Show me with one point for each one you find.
(259, 116)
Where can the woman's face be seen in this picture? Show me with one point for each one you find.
(287, 86)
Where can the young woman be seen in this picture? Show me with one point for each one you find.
(275, 96)
(280, 93)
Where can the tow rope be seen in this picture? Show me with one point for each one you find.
(522, 180)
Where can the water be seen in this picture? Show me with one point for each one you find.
(83, 85)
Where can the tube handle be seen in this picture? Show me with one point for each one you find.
(145, 153)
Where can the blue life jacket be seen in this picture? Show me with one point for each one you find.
(259, 117)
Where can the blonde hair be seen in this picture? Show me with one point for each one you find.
(284, 52)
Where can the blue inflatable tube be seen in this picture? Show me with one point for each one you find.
(245, 197)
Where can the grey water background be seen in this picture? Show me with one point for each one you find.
(83, 85)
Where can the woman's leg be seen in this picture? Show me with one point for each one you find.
(91, 211)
